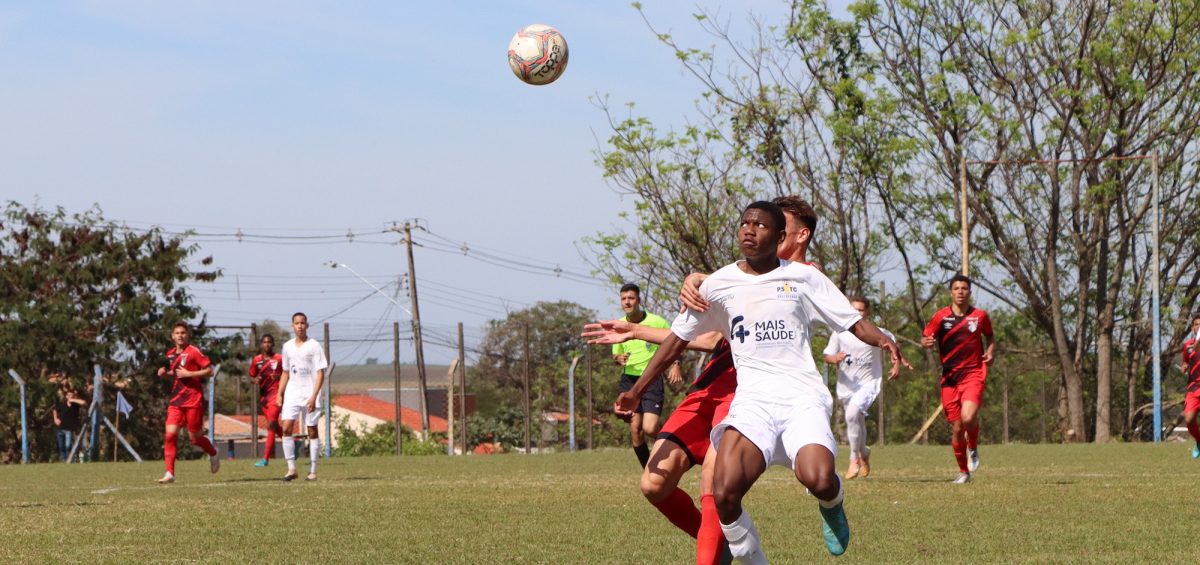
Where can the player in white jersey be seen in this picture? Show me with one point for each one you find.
(781, 409)
(860, 369)
(304, 367)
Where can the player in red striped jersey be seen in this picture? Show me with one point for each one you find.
(1191, 367)
(959, 331)
(265, 370)
(187, 365)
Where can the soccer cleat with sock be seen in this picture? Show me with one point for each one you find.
(1196, 451)
(973, 458)
(853, 470)
(291, 476)
(864, 464)
(167, 479)
(214, 463)
(835, 528)
(963, 478)
(262, 463)
(311, 477)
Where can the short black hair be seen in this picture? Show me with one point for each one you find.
(960, 277)
(772, 209)
(183, 325)
(299, 314)
(630, 286)
(269, 336)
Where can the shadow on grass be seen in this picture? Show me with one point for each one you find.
(52, 504)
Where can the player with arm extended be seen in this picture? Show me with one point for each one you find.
(632, 357)
(187, 365)
(299, 394)
(1191, 367)
(859, 372)
(959, 331)
(265, 370)
(781, 408)
(683, 441)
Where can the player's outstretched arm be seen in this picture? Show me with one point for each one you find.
(672, 347)
(610, 332)
(868, 332)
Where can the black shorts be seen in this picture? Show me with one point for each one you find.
(652, 399)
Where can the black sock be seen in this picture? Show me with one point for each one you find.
(643, 454)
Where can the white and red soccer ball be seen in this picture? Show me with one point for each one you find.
(538, 54)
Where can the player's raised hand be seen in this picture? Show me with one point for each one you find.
(690, 293)
(608, 332)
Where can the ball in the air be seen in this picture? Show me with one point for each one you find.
(538, 54)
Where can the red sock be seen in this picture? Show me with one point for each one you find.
(270, 444)
(973, 436)
(710, 541)
(960, 452)
(681, 511)
(169, 450)
(1194, 429)
(201, 441)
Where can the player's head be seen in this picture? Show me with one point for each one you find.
(300, 325)
(960, 289)
(801, 226)
(1196, 323)
(761, 227)
(181, 334)
(631, 298)
(862, 305)
(267, 343)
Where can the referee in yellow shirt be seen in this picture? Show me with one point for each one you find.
(633, 356)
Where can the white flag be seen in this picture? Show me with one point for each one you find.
(123, 405)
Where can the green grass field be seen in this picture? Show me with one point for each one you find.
(1043, 503)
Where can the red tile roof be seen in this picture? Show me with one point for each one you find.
(383, 410)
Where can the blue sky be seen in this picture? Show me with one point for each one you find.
(318, 118)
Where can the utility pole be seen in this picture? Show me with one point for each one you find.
(462, 389)
(416, 326)
(528, 445)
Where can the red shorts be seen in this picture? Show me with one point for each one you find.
(969, 389)
(1191, 402)
(270, 411)
(192, 417)
(691, 422)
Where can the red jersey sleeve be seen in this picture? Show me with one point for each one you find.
(931, 327)
(254, 363)
(202, 361)
(985, 325)
(1187, 345)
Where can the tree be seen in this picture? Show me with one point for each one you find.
(78, 291)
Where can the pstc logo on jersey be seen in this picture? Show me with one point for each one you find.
(788, 290)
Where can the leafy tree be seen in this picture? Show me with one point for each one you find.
(381, 440)
(78, 291)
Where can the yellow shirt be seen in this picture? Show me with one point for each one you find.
(640, 351)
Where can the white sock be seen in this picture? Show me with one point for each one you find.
(314, 451)
(744, 543)
(837, 499)
(856, 431)
(289, 451)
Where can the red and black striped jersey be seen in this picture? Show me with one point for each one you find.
(718, 376)
(1191, 362)
(959, 340)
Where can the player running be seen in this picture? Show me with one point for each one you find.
(187, 365)
(265, 370)
(632, 356)
(959, 330)
(299, 394)
(1191, 366)
(780, 413)
(860, 370)
(687, 430)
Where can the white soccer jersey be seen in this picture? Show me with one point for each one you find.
(863, 365)
(767, 320)
(302, 363)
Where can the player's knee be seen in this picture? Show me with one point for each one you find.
(852, 414)
(728, 501)
(654, 488)
(171, 437)
(819, 481)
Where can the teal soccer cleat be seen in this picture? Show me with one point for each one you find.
(1196, 451)
(261, 463)
(836, 529)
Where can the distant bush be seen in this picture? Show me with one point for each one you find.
(381, 440)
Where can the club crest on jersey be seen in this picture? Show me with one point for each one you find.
(788, 290)
(972, 325)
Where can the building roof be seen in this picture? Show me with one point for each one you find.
(386, 411)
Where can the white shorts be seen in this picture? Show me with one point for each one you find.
(299, 411)
(862, 398)
(779, 430)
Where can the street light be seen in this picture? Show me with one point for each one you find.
(335, 264)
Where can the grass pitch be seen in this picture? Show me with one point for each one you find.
(1029, 503)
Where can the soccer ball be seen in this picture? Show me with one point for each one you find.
(538, 54)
